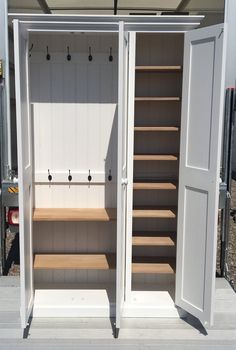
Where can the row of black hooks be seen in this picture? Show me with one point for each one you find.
(68, 56)
(70, 176)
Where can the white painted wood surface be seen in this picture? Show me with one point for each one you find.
(122, 171)
(152, 303)
(130, 155)
(97, 302)
(74, 107)
(24, 170)
(201, 131)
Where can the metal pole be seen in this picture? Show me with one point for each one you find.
(182, 5)
(2, 254)
(44, 6)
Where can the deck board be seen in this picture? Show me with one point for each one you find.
(154, 333)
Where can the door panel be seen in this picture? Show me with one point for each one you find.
(121, 173)
(24, 170)
(201, 131)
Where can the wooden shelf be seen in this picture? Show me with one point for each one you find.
(74, 261)
(156, 128)
(159, 98)
(155, 157)
(154, 186)
(158, 69)
(146, 264)
(74, 214)
(166, 239)
(150, 212)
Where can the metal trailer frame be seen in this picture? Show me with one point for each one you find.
(5, 145)
(226, 176)
(7, 199)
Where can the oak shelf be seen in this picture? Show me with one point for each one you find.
(156, 128)
(155, 157)
(158, 69)
(152, 212)
(157, 98)
(74, 261)
(156, 265)
(154, 185)
(153, 238)
(74, 214)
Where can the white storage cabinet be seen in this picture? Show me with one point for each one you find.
(119, 135)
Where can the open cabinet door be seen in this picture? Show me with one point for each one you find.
(121, 173)
(24, 170)
(200, 151)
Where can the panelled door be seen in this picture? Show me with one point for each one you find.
(122, 172)
(200, 152)
(24, 170)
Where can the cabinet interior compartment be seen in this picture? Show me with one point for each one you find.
(150, 280)
(73, 95)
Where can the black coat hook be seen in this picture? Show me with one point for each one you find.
(69, 176)
(89, 176)
(90, 57)
(110, 56)
(68, 54)
(109, 176)
(49, 176)
(30, 50)
(48, 56)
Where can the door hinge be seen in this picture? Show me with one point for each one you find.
(124, 182)
(224, 195)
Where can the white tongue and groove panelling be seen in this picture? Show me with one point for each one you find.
(74, 237)
(159, 49)
(74, 111)
(61, 195)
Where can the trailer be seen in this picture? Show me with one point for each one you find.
(8, 148)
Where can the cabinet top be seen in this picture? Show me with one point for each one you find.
(158, 23)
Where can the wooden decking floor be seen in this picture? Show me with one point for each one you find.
(148, 334)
